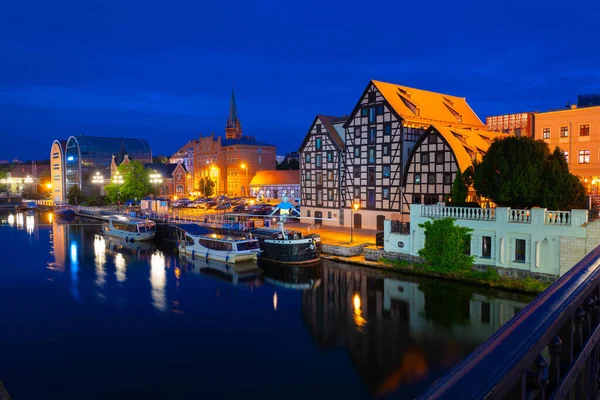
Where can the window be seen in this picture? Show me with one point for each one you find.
(309, 197)
(372, 155)
(379, 110)
(318, 161)
(566, 153)
(447, 178)
(417, 178)
(357, 193)
(319, 128)
(372, 135)
(372, 115)
(439, 157)
(307, 177)
(386, 149)
(584, 130)
(308, 212)
(584, 156)
(329, 214)
(564, 131)
(356, 172)
(319, 197)
(425, 158)
(318, 143)
(330, 176)
(307, 158)
(371, 198)
(431, 177)
(329, 194)
(370, 176)
(433, 138)
(387, 128)
(546, 133)
(330, 156)
(386, 171)
(357, 152)
(357, 131)
(179, 189)
(520, 250)
(416, 199)
(372, 97)
(386, 193)
(486, 246)
(364, 112)
(319, 178)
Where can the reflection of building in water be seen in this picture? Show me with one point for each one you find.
(399, 332)
(158, 279)
(100, 259)
(60, 238)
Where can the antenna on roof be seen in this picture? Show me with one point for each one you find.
(567, 104)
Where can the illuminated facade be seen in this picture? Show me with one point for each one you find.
(85, 155)
(520, 124)
(576, 131)
(57, 172)
(272, 183)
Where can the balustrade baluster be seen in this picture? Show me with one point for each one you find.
(537, 378)
(589, 314)
(578, 340)
(555, 348)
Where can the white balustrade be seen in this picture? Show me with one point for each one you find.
(519, 216)
(471, 213)
(557, 217)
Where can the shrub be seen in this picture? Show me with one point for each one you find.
(446, 246)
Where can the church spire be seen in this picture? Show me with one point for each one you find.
(233, 128)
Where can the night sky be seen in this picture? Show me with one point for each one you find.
(163, 70)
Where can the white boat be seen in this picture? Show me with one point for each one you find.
(129, 228)
(198, 242)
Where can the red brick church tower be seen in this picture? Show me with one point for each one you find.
(233, 128)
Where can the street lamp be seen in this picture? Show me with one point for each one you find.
(355, 207)
(117, 180)
(156, 178)
(244, 166)
(98, 179)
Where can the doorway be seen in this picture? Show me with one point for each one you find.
(357, 221)
(318, 216)
(380, 219)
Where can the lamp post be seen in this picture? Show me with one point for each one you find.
(155, 178)
(118, 181)
(355, 207)
(245, 167)
(98, 179)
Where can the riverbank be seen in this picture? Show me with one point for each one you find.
(488, 279)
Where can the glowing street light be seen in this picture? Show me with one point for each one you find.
(98, 179)
(118, 180)
(156, 178)
(355, 207)
(244, 166)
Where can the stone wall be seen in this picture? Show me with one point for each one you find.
(342, 250)
(572, 250)
(592, 236)
(374, 254)
(517, 273)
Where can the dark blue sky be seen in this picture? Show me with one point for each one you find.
(162, 70)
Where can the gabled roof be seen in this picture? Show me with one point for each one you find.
(330, 125)
(427, 107)
(467, 143)
(166, 170)
(276, 177)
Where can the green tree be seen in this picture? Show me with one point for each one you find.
(460, 190)
(206, 186)
(136, 183)
(74, 195)
(160, 160)
(446, 246)
(520, 172)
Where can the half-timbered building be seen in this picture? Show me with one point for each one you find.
(381, 132)
(437, 156)
(322, 170)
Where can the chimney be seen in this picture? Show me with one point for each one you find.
(573, 106)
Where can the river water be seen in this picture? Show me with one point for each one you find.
(87, 317)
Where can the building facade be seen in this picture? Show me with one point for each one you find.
(57, 171)
(520, 124)
(322, 166)
(272, 184)
(576, 131)
(175, 179)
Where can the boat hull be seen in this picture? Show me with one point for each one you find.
(130, 236)
(223, 256)
(304, 251)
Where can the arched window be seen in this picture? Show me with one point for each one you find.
(165, 190)
(179, 189)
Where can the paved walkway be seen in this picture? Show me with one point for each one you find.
(337, 234)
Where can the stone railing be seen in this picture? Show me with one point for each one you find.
(480, 214)
(557, 217)
(519, 216)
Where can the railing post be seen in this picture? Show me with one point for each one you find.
(537, 378)
(554, 348)
(579, 318)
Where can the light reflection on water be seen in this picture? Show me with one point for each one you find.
(158, 278)
(120, 268)
(100, 260)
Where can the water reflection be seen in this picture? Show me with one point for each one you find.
(158, 277)
(246, 273)
(120, 269)
(275, 301)
(11, 220)
(401, 332)
(75, 272)
(100, 259)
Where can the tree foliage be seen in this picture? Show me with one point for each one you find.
(136, 183)
(206, 186)
(446, 246)
(74, 195)
(460, 190)
(289, 164)
(521, 172)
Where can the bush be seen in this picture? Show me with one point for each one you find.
(446, 246)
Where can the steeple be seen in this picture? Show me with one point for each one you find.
(233, 128)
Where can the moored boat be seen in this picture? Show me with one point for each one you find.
(28, 206)
(64, 210)
(129, 228)
(199, 242)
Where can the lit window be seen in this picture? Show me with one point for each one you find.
(546, 133)
(372, 134)
(386, 171)
(386, 193)
(330, 175)
(564, 131)
(329, 194)
(318, 143)
(372, 115)
(371, 155)
(584, 156)
(584, 130)
(566, 153)
(318, 161)
(417, 178)
(357, 151)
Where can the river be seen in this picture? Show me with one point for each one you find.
(87, 317)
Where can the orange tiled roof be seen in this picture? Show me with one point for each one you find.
(276, 177)
(428, 107)
(467, 143)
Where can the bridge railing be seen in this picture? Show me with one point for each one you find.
(549, 350)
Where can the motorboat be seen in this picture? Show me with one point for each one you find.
(28, 206)
(64, 210)
(197, 241)
(129, 228)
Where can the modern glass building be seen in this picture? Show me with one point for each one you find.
(84, 155)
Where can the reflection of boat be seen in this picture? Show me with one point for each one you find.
(246, 272)
(118, 244)
(64, 210)
(196, 240)
(28, 206)
(129, 228)
(290, 276)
